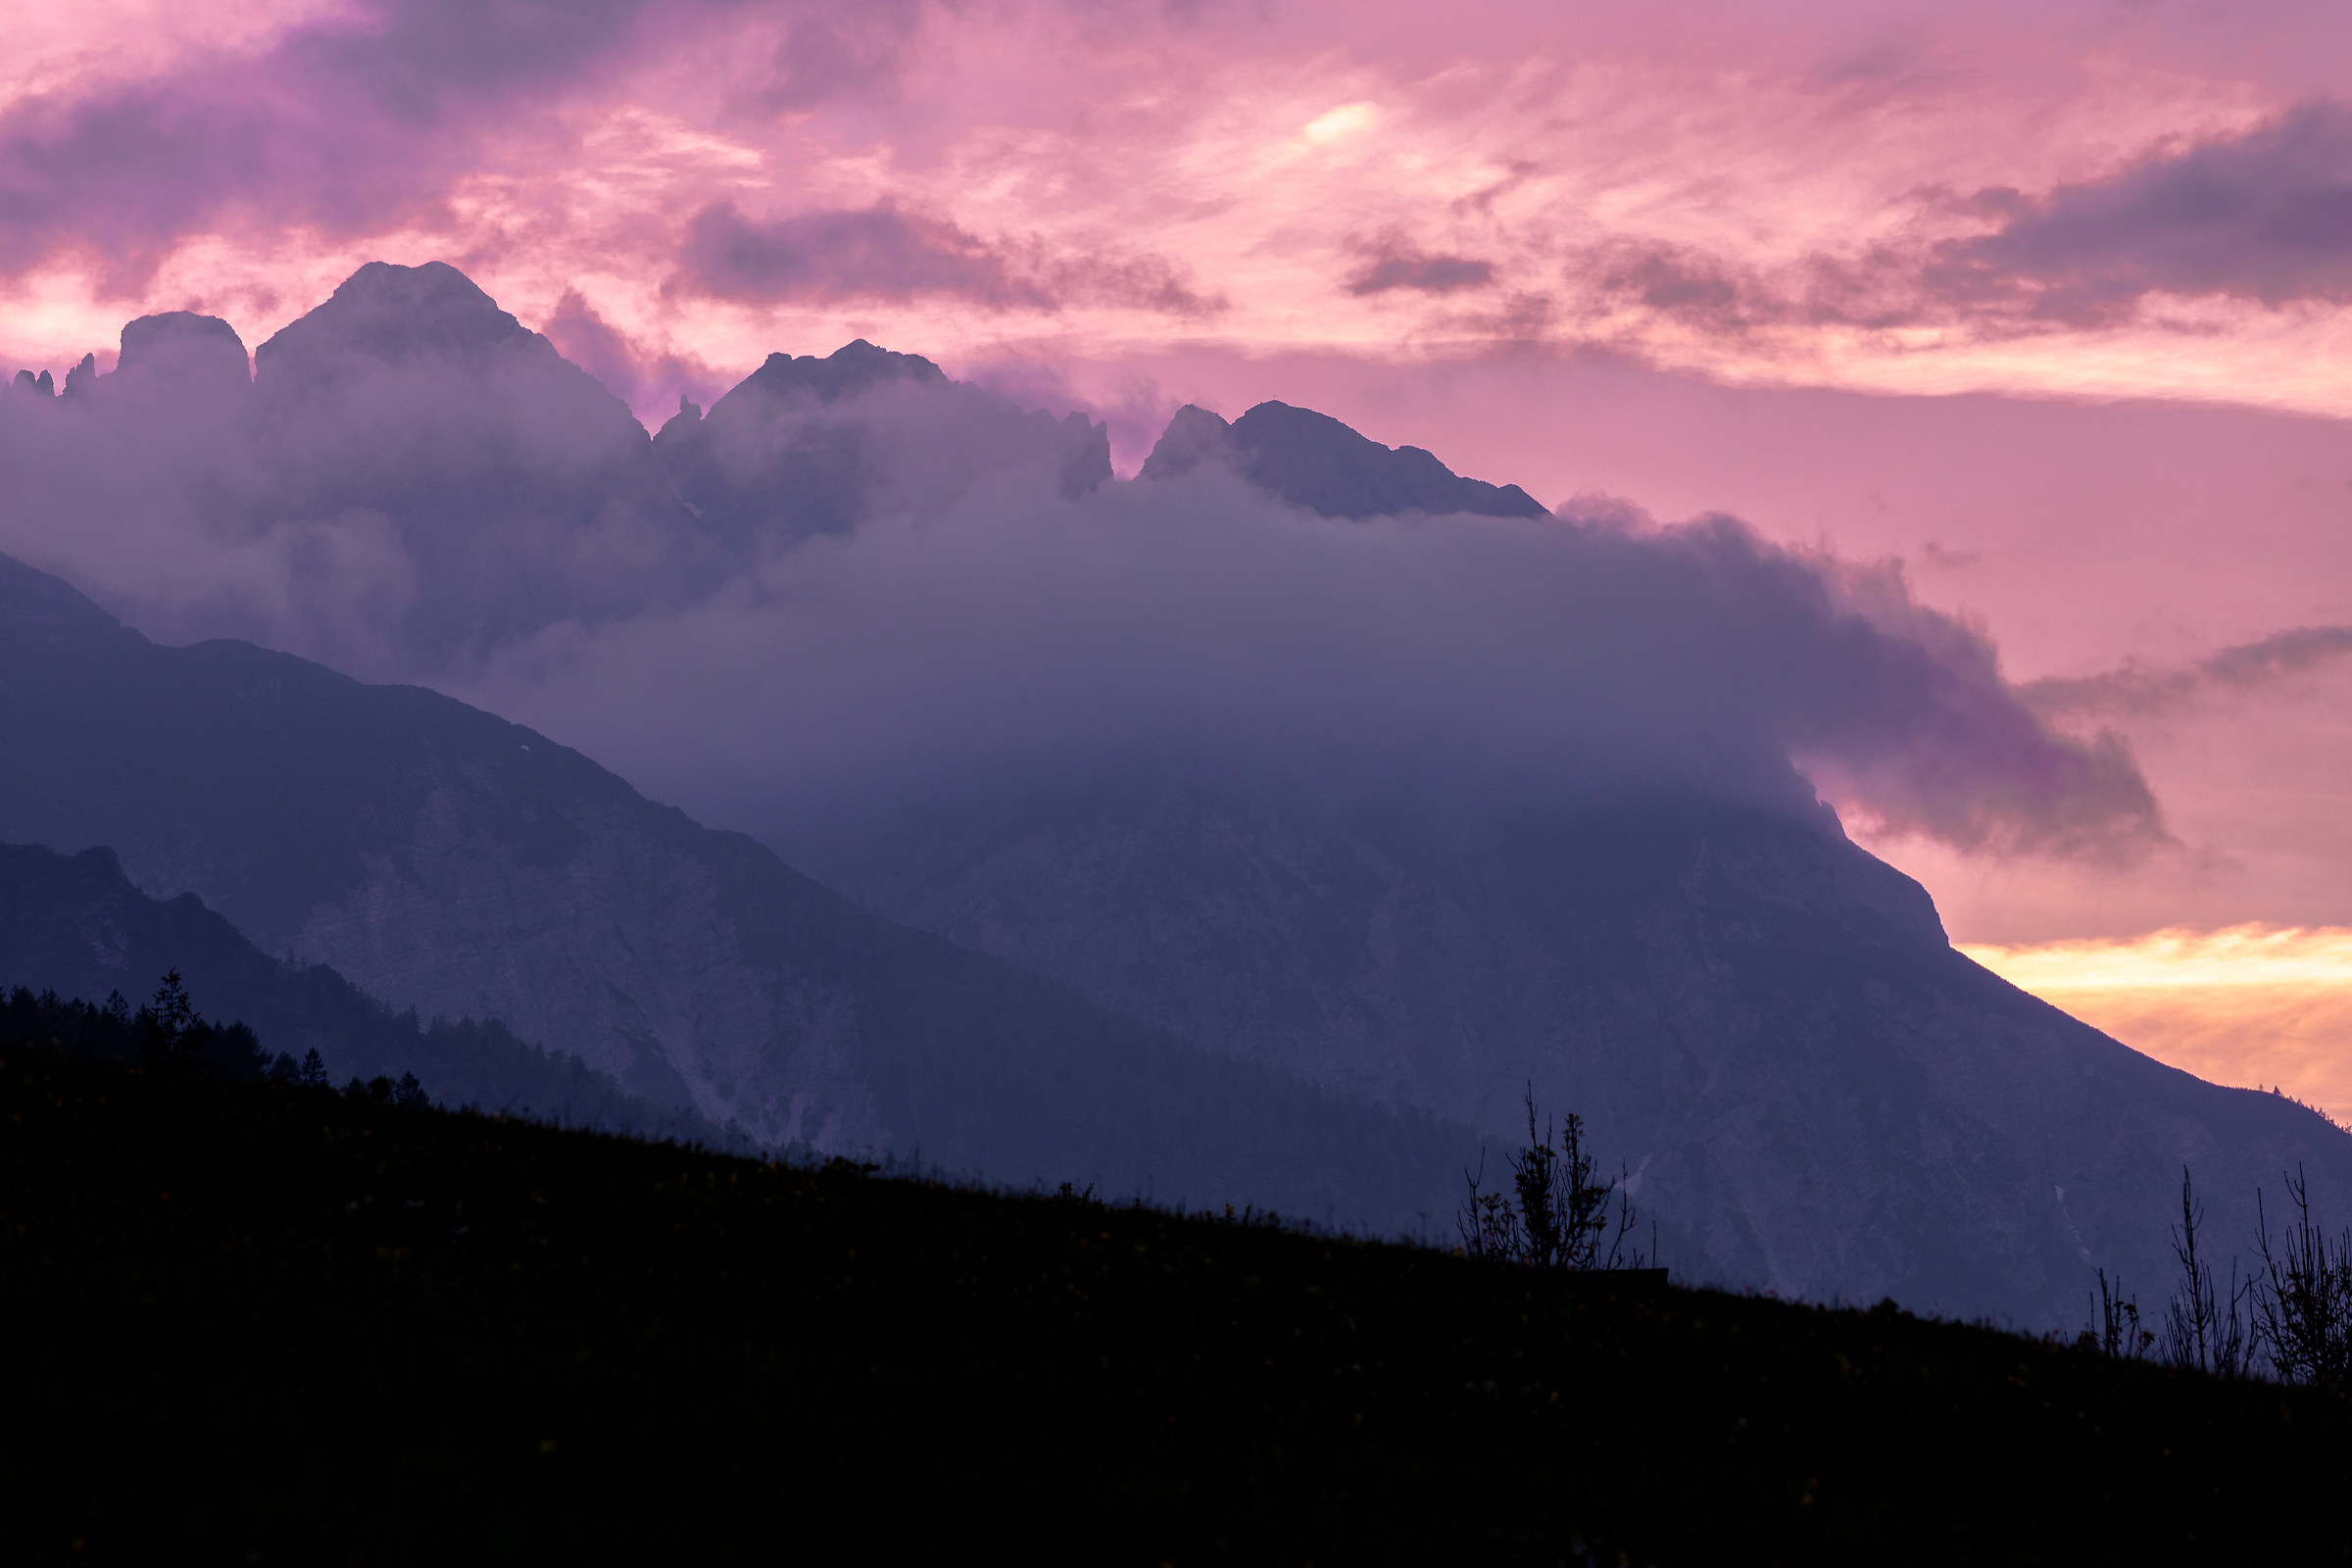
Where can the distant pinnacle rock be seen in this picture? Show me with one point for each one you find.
(186, 353)
(680, 427)
(1088, 465)
(26, 384)
(44, 387)
(1193, 436)
(82, 379)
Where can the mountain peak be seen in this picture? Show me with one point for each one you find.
(1193, 436)
(1313, 461)
(393, 315)
(848, 371)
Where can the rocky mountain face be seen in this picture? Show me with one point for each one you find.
(74, 926)
(448, 862)
(1812, 1089)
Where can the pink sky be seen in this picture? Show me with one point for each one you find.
(2051, 302)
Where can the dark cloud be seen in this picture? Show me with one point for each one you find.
(346, 123)
(1391, 263)
(2141, 689)
(1677, 282)
(2262, 216)
(885, 252)
(841, 53)
(1014, 640)
(877, 252)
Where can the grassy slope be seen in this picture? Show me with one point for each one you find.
(259, 1321)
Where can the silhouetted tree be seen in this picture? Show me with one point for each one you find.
(166, 1024)
(2203, 1331)
(409, 1094)
(314, 1069)
(1556, 1213)
(2303, 1300)
(2118, 1331)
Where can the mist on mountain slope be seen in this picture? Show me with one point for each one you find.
(857, 584)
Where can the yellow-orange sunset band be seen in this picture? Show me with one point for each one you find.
(2259, 1007)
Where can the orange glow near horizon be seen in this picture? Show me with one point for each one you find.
(2251, 1005)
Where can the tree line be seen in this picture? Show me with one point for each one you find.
(169, 1036)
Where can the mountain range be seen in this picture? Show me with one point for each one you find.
(1167, 967)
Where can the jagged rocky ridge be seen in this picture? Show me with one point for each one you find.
(432, 481)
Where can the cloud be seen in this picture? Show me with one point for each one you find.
(852, 51)
(2143, 689)
(345, 124)
(884, 252)
(1391, 263)
(2262, 216)
(650, 383)
(1678, 283)
(1017, 642)
(875, 253)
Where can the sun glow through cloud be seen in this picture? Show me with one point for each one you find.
(2258, 1007)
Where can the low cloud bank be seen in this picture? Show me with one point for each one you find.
(1017, 641)
(414, 487)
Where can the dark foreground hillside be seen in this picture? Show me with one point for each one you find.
(271, 1324)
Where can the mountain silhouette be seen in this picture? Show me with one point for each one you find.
(1313, 461)
(807, 446)
(449, 862)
